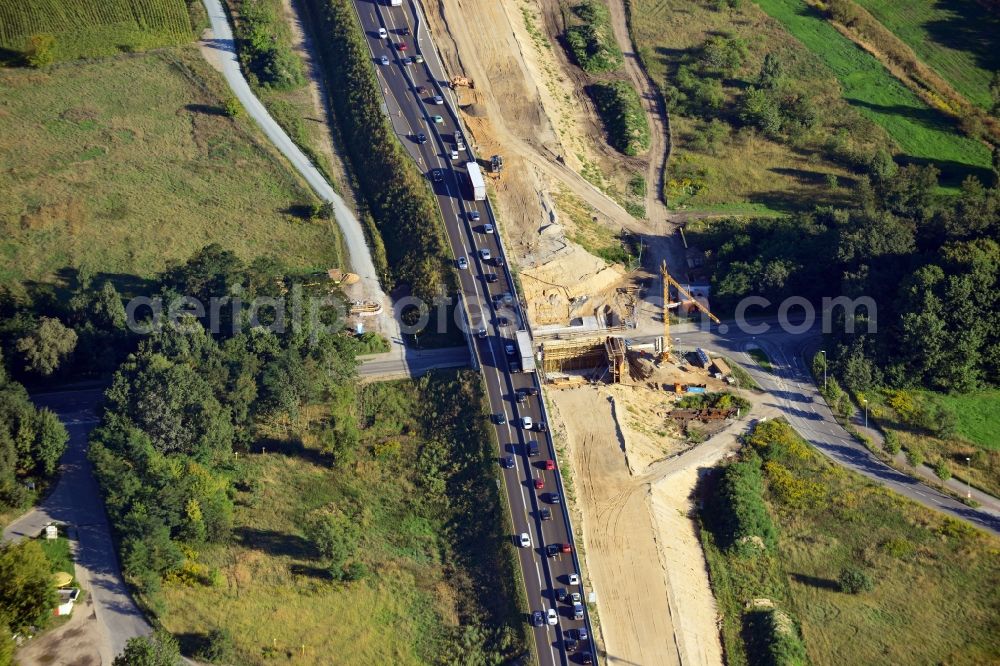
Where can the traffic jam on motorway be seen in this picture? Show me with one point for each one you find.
(416, 101)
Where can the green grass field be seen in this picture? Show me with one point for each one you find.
(934, 599)
(746, 173)
(957, 38)
(978, 416)
(91, 28)
(976, 424)
(122, 165)
(439, 580)
(923, 134)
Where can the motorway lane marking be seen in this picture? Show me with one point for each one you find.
(457, 204)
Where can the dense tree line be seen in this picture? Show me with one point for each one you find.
(410, 230)
(46, 335)
(188, 398)
(930, 262)
(31, 442)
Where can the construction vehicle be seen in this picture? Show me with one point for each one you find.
(667, 305)
(496, 164)
(461, 82)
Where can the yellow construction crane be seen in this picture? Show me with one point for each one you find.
(667, 305)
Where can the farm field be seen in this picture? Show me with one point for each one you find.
(957, 38)
(91, 28)
(432, 584)
(125, 164)
(737, 171)
(923, 134)
(933, 580)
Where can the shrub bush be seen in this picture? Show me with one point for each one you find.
(891, 442)
(745, 518)
(854, 580)
(943, 470)
(623, 116)
(219, 648)
(265, 46)
(592, 43)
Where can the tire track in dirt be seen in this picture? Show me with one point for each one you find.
(656, 113)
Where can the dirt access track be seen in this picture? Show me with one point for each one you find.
(528, 105)
(507, 114)
(641, 551)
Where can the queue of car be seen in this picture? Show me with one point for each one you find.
(571, 595)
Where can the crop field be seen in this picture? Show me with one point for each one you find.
(88, 28)
(957, 38)
(923, 134)
(124, 164)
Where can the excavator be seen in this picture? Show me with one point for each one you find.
(667, 305)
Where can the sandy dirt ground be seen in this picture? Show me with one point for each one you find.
(641, 552)
(507, 114)
(650, 435)
(76, 643)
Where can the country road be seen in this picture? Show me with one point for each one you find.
(220, 41)
(794, 393)
(77, 502)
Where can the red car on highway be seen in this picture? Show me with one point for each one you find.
(539, 483)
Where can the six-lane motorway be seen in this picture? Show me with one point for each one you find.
(410, 88)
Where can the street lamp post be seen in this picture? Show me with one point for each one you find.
(823, 352)
(968, 474)
(866, 412)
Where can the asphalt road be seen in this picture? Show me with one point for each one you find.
(380, 367)
(76, 501)
(791, 386)
(409, 90)
(350, 228)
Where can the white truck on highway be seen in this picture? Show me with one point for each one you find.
(476, 181)
(526, 351)
(395, 3)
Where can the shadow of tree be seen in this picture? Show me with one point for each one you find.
(275, 543)
(970, 27)
(206, 109)
(816, 581)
